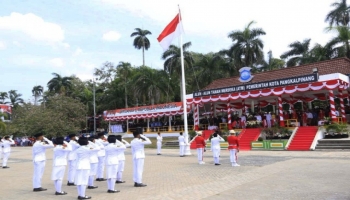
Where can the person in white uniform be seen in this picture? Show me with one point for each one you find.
(159, 143)
(121, 158)
(215, 147)
(112, 162)
(182, 145)
(83, 167)
(138, 157)
(101, 142)
(59, 161)
(39, 158)
(6, 150)
(72, 156)
(93, 162)
(268, 119)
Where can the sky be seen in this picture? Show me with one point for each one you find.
(40, 37)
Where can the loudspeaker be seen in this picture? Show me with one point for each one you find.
(139, 130)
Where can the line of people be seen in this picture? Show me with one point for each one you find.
(87, 158)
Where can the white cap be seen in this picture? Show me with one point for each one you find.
(232, 131)
(199, 132)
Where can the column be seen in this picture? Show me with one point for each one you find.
(127, 125)
(169, 128)
(229, 124)
(147, 124)
(212, 109)
(196, 117)
(342, 107)
(280, 109)
(332, 105)
(252, 106)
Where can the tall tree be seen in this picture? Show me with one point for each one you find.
(37, 91)
(339, 15)
(342, 38)
(298, 54)
(172, 57)
(3, 97)
(141, 41)
(123, 72)
(247, 47)
(209, 68)
(59, 84)
(15, 98)
(272, 63)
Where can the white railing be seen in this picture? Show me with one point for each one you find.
(291, 137)
(319, 135)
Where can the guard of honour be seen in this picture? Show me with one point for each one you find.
(87, 157)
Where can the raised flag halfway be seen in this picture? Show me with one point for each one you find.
(171, 31)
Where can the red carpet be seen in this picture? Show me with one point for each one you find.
(303, 138)
(247, 136)
(206, 134)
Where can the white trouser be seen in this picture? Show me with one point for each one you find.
(216, 155)
(38, 173)
(138, 169)
(268, 123)
(101, 166)
(81, 190)
(71, 170)
(182, 150)
(111, 183)
(5, 158)
(121, 165)
(200, 154)
(159, 147)
(233, 156)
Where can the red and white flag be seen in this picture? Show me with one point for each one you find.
(171, 31)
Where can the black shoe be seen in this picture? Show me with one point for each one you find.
(140, 185)
(4, 167)
(101, 179)
(70, 184)
(217, 164)
(86, 197)
(159, 154)
(39, 189)
(135, 184)
(182, 156)
(61, 193)
(92, 187)
(120, 182)
(113, 191)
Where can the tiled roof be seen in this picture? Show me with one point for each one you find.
(339, 65)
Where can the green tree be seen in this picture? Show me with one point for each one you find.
(339, 15)
(272, 63)
(209, 68)
(124, 72)
(37, 91)
(141, 41)
(60, 85)
(247, 47)
(3, 97)
(342, 38)
(298, 54)
(15, 98)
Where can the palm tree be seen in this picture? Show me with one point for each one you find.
(340, 14)
(60, 84)
(2, 124)
(210, 68)
(172, 57)
(298, 54)
(272, 63)
(15, 98)
(247, 47)
(37, 91)
(124, 72)
(342, 39)
(141, 41)
(3, 97)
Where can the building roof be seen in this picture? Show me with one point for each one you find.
(338, 65)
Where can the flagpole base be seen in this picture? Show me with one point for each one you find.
(187, 150)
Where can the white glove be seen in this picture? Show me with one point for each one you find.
(76, 138)
(46, 139)
(142, 136)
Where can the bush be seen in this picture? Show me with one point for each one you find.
(260, 139)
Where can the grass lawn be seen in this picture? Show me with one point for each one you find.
(154, 142)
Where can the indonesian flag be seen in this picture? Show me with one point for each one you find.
(171, 31)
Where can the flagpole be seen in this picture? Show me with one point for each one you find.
(184, 101)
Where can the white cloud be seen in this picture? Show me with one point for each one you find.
(2, 45)
(33, 26)
(16, 43)
(65, 45)
(111, 36)
(57, 62)
(77, 52)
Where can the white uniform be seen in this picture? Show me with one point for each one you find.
(39, 159)
(121, 158)
(215, 148)
(182, 145)
(6, 150)
(93, 162)
(83, 168)
(59, 164)
(101, 157)
(72, 156)
(138, 156)
(268, 120)
(112, 162)
(159, 143)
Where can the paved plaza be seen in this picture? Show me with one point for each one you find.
(262, 175)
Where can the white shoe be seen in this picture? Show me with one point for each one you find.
(235, 165)
(202, 163)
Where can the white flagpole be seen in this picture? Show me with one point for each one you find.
(184, 101)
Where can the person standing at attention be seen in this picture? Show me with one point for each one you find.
(39, 158)
(6, 150)
(121, 158)
(159, 143)
(138, 156)
(233, 147)
(61, 151)
(182, 145)
(200, 145)
(215, 147)
(93, 162)
(101, 142)
(72, 156)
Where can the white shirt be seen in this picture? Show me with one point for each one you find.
(39, 149)
(223, 120)
(215, 142)
(101, 143)
(258, 117)
(83, 157)
(112, 152)
(7, 145)
(181, 140)
(72, 155)
(243, 118)
(93, 154)
(60, 155)
(138, 147)
(268, 116)
(336, 113)
(310, 116)
(121, 155)
(159, 139)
